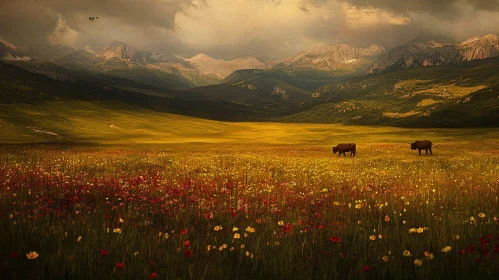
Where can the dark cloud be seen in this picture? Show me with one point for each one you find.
(227, 29)
(32, 22)
(450, 7)
(304, 9)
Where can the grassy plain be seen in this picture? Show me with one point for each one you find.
(134, 194)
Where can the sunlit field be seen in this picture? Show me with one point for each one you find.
(250, 212)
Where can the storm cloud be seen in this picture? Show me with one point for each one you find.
(266, 29)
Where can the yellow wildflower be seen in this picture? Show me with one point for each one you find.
(387, 218)
(231, 249)
(166, 235)
(136, 253)
(481, 215)
(117, 230)
(418, 262)
(121, 220)
(372, 237)
(235, 229)
(32, 255)
(446, 249)
(237, 236)
(281, 223)
(406, 253)
(250, 229)
(208, 247)
(247, 253)
(385, 258)
(420, 230)
(358, 206)
(242, 246)
(79, 239)
(218, 228)
(380, 236)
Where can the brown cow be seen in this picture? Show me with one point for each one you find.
(422, 145)
(345, 147)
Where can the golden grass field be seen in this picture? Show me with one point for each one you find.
(172, 197)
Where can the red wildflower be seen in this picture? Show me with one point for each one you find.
(183, 231)
(485, 252)
(461, 252)
(187, 243)
(287, 228)
(470, 250)
(15, 254)
(120, 266)
(484, 241)
(366, 268)
(188, 252)
(153, 275)
(104, 252)
(335, 239)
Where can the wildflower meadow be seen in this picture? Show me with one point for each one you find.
(250, 212)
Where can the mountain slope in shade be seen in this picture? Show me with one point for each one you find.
(123, 67)
(334, 57)
(123, 60)
(223, 68)
(8, 52)
(126, 52)
(427, 52)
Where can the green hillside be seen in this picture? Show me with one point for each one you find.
(305, 79)
(464, 94)
(458, 95)
(21, 86)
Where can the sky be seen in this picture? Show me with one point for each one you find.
(266, 29)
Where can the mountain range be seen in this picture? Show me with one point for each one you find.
(428, 81)
(334, 57)
(428, 52)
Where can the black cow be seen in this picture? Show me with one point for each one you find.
(422, 145)
(345, 147)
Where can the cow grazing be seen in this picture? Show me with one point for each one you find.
(422, 145)
(345, 147)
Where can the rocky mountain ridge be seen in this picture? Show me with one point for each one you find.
(333, 57)
(427, 52)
